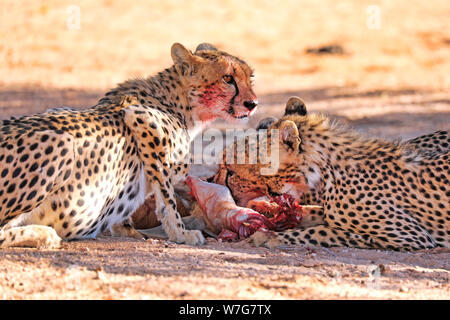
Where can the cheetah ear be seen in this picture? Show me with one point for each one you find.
(205, 46)
(183, 59)
(266, 123)
(289, 135)
(295, 106)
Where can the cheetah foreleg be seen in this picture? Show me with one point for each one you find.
(155, 153)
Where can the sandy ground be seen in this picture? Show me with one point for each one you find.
(392, 80)
(154, 269)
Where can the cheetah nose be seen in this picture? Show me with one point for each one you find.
(250, 105)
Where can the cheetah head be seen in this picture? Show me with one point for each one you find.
(219, 85)
(296, 172)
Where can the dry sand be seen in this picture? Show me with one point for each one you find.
(154, 269)
(390, 82)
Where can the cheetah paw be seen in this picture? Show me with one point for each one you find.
(263, 238)
(34, 236)
(120, 230)
(191, 237)
(194, 237)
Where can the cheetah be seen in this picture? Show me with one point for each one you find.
(71, 174)
(374, 193)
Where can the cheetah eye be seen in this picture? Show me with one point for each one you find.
(228, 79)
(230, 173)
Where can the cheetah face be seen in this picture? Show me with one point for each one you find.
(295, 175)
(220, 85)
(246, 179)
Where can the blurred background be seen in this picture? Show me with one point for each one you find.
(382, 66)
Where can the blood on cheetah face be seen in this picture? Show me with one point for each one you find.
(220, 85)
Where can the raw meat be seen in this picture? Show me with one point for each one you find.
(232, 222)
(284, 212)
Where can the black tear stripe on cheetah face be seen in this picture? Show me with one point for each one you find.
(374, 193)
(70, 174)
